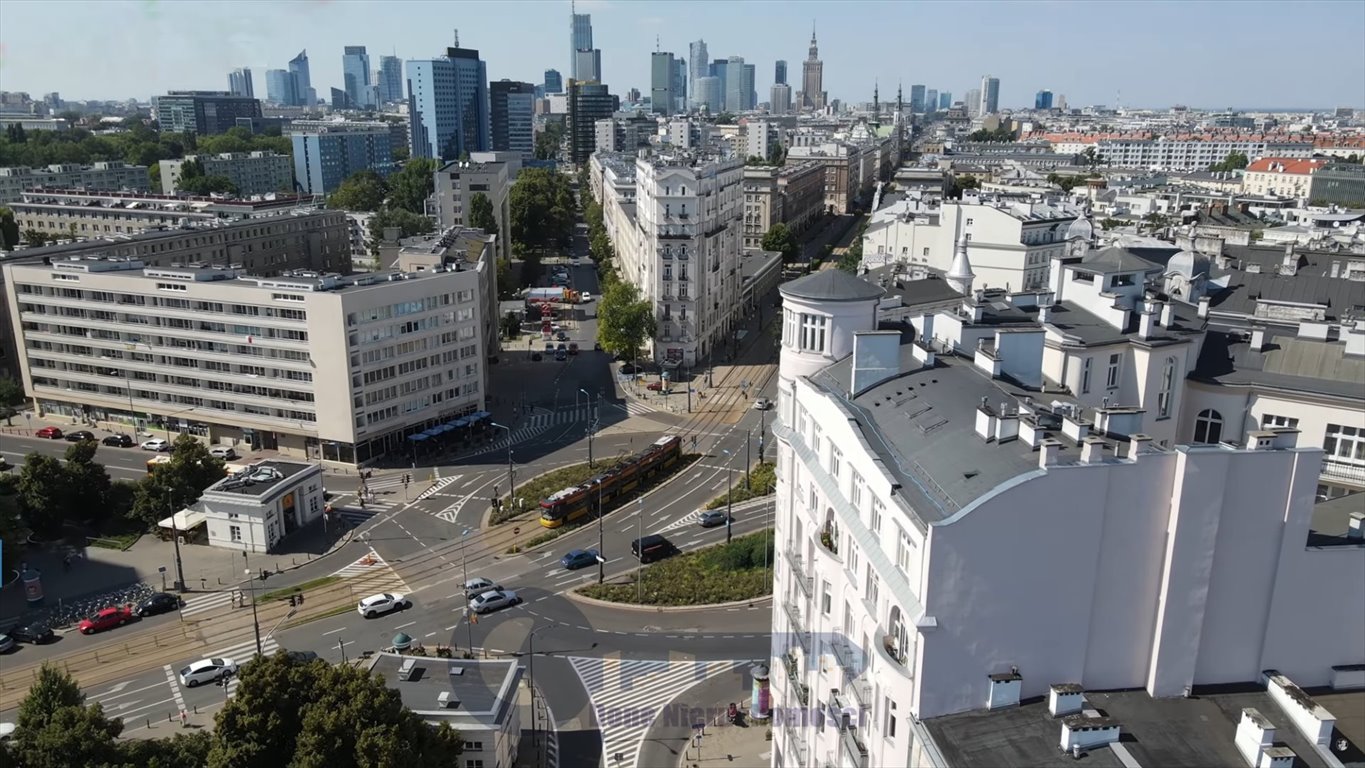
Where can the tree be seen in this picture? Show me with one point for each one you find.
(88, 483)
(1066, 181)
(780, 238)
(852, 257)
(178, 483)
(34, 238)
(314, 715)
(56, 729)
(184, 750)
(624, 320)
(410, 187)
(44, 495)
(511, 325)
(481, 214)
(9, 229)
(548, 141)
(361, 191)
(407, 222)
(506, 290)
(996, 136)
(400, 153)
(1235, 161)
(542, 217)
(11, 392)
(1091, 157)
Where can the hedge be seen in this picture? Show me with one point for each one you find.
(762, 481)
(721, 574)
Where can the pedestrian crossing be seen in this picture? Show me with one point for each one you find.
(242, 653)
(370, 575)
(629, 694)
(635, 408)
(207, 602)
(437, 486)
(688, 521)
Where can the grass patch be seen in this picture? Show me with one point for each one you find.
(550, 534)
(543, 485)
(277, 594)
(762, 481)
(119, 541)
(721, 574)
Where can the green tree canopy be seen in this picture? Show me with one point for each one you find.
(178, 483)
(313, 715)
(11, 391)
(481, 214)
(1235, 161)
(361, 191)
(780, 238)
(548, 141)
(542, 217)
(55, 729)
(410, 187)
(408, 223)
(624, 320)
(9, 229)
(88, 483)
(996, 136)
(44, 493)
(1091, 156)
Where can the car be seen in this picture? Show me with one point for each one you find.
(477, 586)
(653, 547)
(106, 618)
(710, 518)
(549, 347)
(629, 369)
(561, 356)
(158, 603)
(585, 297)
(207, 671)
(7, 644)
(223, 452)
(562, 336)
(78, 436)
(562, 348)
(536, 357)
(573, 348)
(119, 441)
(51, 433)
(762, 404)
(302, 657)
(493, 599)
(655, 386)
(7, 731)
(578, 558)
(375, 605)
(33, 634)
(156, 444)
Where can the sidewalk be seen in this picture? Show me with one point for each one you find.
(744, 745)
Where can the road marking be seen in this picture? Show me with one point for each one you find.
(429, 634)
(452, 626)
(175, 688)
(409, 624)
(110, 694)
(334, 631)
(117, 688)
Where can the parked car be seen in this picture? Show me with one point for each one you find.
(477, 586)
(562, 336)
(51, 433)
(119, 441)
(762, 404)
(156, 444)
(493, 600)
(655, 386)
(549, 347)
(375, 605)
(157, 604)
(561, 355)
(106, 618)
(710, 518)
(207, 671)
(585, 297)
(302, 657)
(33, 634)
(223, 452)
(573, 348)
(578, 558)
(78, 436)
(7, 731)
(536, 357)
(7, 644)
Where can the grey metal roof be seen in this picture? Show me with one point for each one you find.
(831, 285)
(1245, 289)
(1086, 328)
(1284, 362)
(1115, 259)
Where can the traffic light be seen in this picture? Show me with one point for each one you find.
(407, 478)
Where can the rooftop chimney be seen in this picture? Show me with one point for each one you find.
(1257, 339)
(1075, 427)
(1092, 450)
(985, 420)
(1255, 734)
(1139, 444)
(1049, 452)
(1005, 689)
(1204, 302)
(1006, 424)
(1146, 322)
(1064, 699)
(1044, 314)
(1167, 314)
(1356, 528)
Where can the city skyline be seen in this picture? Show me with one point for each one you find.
(201, 42)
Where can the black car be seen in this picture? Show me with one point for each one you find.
(119, 441)
(79, 436)
(536, 357)
(158, 603)
(36, 634)
(302, 657)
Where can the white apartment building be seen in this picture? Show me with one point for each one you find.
(959, 530)
(79, 214)
(253, 173)
(759, 137)
(1189, 155)
(336, 368)
(111, 175)
(491, 174)
(1010, 243)
(1281, 176)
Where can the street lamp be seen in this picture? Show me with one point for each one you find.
(591, 427)
(175, 538)
(464, 566)
(729, 493)
(255, 619)
(639, 534)
(511, 484)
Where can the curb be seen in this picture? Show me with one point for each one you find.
(665, 608)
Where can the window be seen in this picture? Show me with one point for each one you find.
(235, 532)
(825, 599)
(890, 710)
(813, 333)
(857, 493)
(473, 746)
(872, 588)
(877, 509)
(473, 764)
(1341, 443)
(1166, 395)
(1085, 376)
(1208, 427)
(1111, 379)
(904, 545)
(848, 619)
(1270, 420)
(836, 462)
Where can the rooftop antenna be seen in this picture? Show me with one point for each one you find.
(656, 44)
(457, 38)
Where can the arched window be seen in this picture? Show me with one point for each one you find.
(1167, 394)
(897, 640)
(1208, 426)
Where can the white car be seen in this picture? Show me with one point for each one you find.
(762, 404)
(493, 600)
(6, 731)
(587, 297)
(156, 444)
(223, 452)
(375, 605)
(207, 671)
(477, 586)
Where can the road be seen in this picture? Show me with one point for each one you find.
(18, 441)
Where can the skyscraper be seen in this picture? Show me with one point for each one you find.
(511, 114)
(303, 83)
(281, 88)
(736, 89)
(390, 79)
(990, 95)
(698, 68)
(554, 83)
(1043, 100)
(706, 94)
(679, 85)
(661, 83)
(719, 70)
(588, 103)
(780, 72)
(931, 100)
(972, 101)
(588, 65)
(239, 83)
(917, 98)
(945, 100)
(580, 39)
(780, 99)
(448, 105)
(813, 78)
(355, 73)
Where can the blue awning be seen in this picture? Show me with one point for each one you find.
(418, 437)
(479, 415)
(440, 429)
(458, 423)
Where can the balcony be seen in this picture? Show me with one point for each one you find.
(798, 625)
(847, 655)
(829, 538)
(799, 689)
(796, 745)
(803, 578)
(1338, 469)
(855, 751)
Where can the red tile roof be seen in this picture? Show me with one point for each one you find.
(1286, 165)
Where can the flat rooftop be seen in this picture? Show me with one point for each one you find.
(1197, 732)
(487, 690)
(259, 479)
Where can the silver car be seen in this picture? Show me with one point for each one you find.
(493, 599)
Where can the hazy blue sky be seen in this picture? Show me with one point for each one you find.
(1209, 54)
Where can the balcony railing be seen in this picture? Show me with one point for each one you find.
(1342, 470)
(855, 751)
(803, 578)
(798, 686)
(796, 745)
(846, 655)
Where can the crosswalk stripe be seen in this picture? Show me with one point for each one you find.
(628, 694)
(202, 603)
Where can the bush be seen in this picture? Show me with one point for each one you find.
(762, 481)
(722, 574)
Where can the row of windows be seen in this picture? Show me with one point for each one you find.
(804, 331)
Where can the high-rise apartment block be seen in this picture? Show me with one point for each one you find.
(485, 173)
(990, 95)
(448, 105)
(206, 113)
(239, 83)
(108, 174)
(554, 83)
(327, 152)
(512, 115)
(661, 82)
(588, 103)
(252, 173)
(780, 99)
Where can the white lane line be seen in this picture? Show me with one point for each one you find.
(334, 631)
(452, 626)
(118, 692)
(429, 634)
(175, 688)
(402, 626)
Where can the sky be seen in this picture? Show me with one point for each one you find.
(1149, 53)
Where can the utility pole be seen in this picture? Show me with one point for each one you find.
(748, 441)
(639, 534)
(729, 494)
(255, 619)
(601, 559)
(175, 537)
(464, 566)
(511, 484)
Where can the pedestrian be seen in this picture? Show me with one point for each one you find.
(184, 719)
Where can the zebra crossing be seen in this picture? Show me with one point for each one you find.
(629, 694)
(633, 408)
(243, 652)
(203, 603)
(371, 575)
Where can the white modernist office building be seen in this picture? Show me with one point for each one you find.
(969, 514)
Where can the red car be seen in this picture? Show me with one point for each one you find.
(106, 618)
(51, 433)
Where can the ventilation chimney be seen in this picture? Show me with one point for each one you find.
(1204, 302)
(1092, 450)
(1139, 444)
(1005, 689)
(1146, 322)
(1030, 431)
(1044, 314)
(1356, 528)
(1255, 734)
(1006, 424)
(1167, 314)
(985, 420)
(1336, 269)
(1257, 340)
(1064, 699)
(1049, 452)
(1075, 427)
